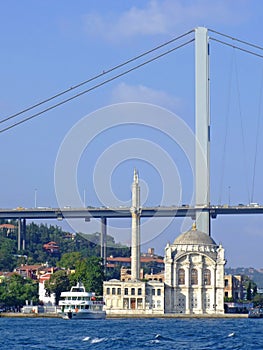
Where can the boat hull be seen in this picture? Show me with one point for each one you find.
(256, 313)
(84, 315)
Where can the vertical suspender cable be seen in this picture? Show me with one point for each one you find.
(242, 132)
(257, 139)
(223, 160)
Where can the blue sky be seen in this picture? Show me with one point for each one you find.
(47, 47)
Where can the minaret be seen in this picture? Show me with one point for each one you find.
(135, 242)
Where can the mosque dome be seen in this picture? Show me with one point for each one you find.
(194, 236)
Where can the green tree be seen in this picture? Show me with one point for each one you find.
(258, 300)
(90, 272)
(14, 291)
(69, 260)
(59, 282)
(7, 251)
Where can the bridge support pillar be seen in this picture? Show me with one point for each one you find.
(202, 129)
(21, 234)
(103, 241)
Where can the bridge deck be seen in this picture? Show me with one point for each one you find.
(90, 212)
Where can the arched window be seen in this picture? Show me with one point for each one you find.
(207, 277)
(181, 276)
(194, 277)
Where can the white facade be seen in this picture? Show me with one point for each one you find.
(133, 297)
(42, 294)
(194, 275)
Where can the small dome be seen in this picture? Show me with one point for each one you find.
(194, 236)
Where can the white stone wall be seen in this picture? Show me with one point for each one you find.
(201, 297)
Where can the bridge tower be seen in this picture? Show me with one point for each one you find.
(202, 129)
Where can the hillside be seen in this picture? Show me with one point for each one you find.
(254, 274)
(37, 249)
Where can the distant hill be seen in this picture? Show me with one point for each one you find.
(45, 243)
(254, 274)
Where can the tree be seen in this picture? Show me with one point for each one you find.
(59, 282)
(258, 300)
(70, 260)
(90, 272)
(14, 291)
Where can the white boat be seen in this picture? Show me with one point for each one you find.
(79, 304)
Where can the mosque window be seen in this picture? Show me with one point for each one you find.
(139, 291)
(194, 277)
(207, 277)
(119, 291)
(125, 291)
(108, 291)
(181, 276)
(158, 291)
(113, 291)
(153, 291)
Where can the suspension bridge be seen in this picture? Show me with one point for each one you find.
(202, 211)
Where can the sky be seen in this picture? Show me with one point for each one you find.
(144, 119)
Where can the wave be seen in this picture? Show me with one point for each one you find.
(160, 337)
(94, 340)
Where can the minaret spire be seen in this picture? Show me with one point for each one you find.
(135, 241)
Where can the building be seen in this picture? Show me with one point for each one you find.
(234, 287)
(193, 281)
(51, 247)
(194, 274)
(156, 263)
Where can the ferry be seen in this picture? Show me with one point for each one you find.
(79, 304)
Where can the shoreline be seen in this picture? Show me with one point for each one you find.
(115, 316)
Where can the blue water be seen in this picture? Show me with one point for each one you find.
(48, 333)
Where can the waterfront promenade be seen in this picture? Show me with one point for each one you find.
(112, 316)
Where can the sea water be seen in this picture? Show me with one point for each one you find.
(158, 333)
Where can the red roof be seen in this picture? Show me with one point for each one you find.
(128, 260)
(8, 226)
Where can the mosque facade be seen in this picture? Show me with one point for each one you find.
(193, 278)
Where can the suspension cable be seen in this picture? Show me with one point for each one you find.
(237, 47)
(236, 39)
(96, 76)
(96, 86)
(257, 139)
(242, 131)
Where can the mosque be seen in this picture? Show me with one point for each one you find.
(193, 278)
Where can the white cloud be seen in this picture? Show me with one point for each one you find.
(164, 17)
(140, 93)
